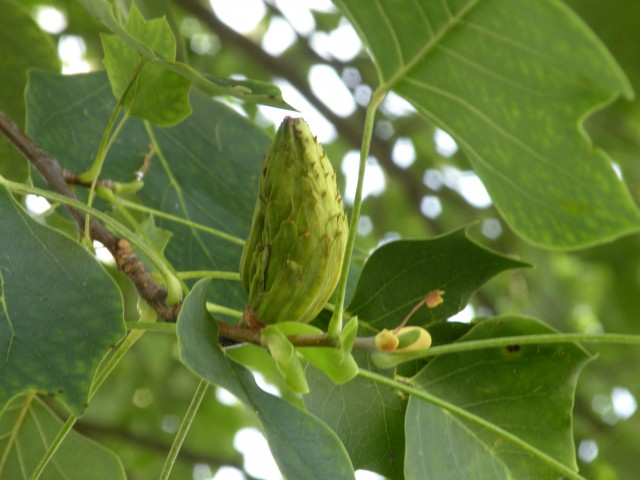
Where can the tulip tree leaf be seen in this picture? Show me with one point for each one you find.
(204, 170)
(250, 90)
(150, 90)
(60, 311)
(527, 390)
(369, 419)
(302, 445)
(27, 429)
(22, 46)
(400, 274)
(511, 81)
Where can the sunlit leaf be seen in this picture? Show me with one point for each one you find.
(148, 89)
(527, 390)
(511, 81)
(302, 445)
(54, 328)
(27, 429)
(400, 274)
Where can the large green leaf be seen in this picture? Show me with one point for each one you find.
(22, 45)
(302, 445)
(526, 390)
(60, 311)
(368, 419)
(27, 428)
(204, 170)
(400, 274)
(512, 81)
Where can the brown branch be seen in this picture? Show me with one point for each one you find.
(125, 258)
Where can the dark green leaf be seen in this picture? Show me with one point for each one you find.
(22, 45)
(527, 390)
(511, 81)
(368, 419)
(27, 429)
(400, 274)
(302, 445)
(204, 170)
(61, 311)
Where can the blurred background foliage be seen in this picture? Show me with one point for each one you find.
(421, 186)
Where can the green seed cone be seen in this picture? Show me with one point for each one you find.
(291, 261)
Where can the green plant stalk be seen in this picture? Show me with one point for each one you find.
(460, 412)
(215, 308)
(176, 219)
(209, 274)
(94, 172)
(545, 338)
(335, 325)
(163, 327)
(184, 429)
(102, 375)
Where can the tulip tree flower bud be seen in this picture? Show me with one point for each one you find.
(291, 261)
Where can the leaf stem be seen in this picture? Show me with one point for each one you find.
(545, 338)
(184, 429)
(460, 412)
(209, 274)
(335, 325)
(164, 327)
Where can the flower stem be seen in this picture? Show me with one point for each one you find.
(335, 325)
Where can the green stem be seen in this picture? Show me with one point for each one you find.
(94, 172)
(546, 338)
(231, 312)
(335, 325)
(209, 274)
(460, 412)
(184, 429)
(152, 326)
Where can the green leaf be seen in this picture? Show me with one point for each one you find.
(150, 91)
(400, 274)
(368, 419)
(512, 82)
(60, 311)
(22, 45)
(302, 445)
(527, 390)
(27, 429)
(250, 90)
(204, 170)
